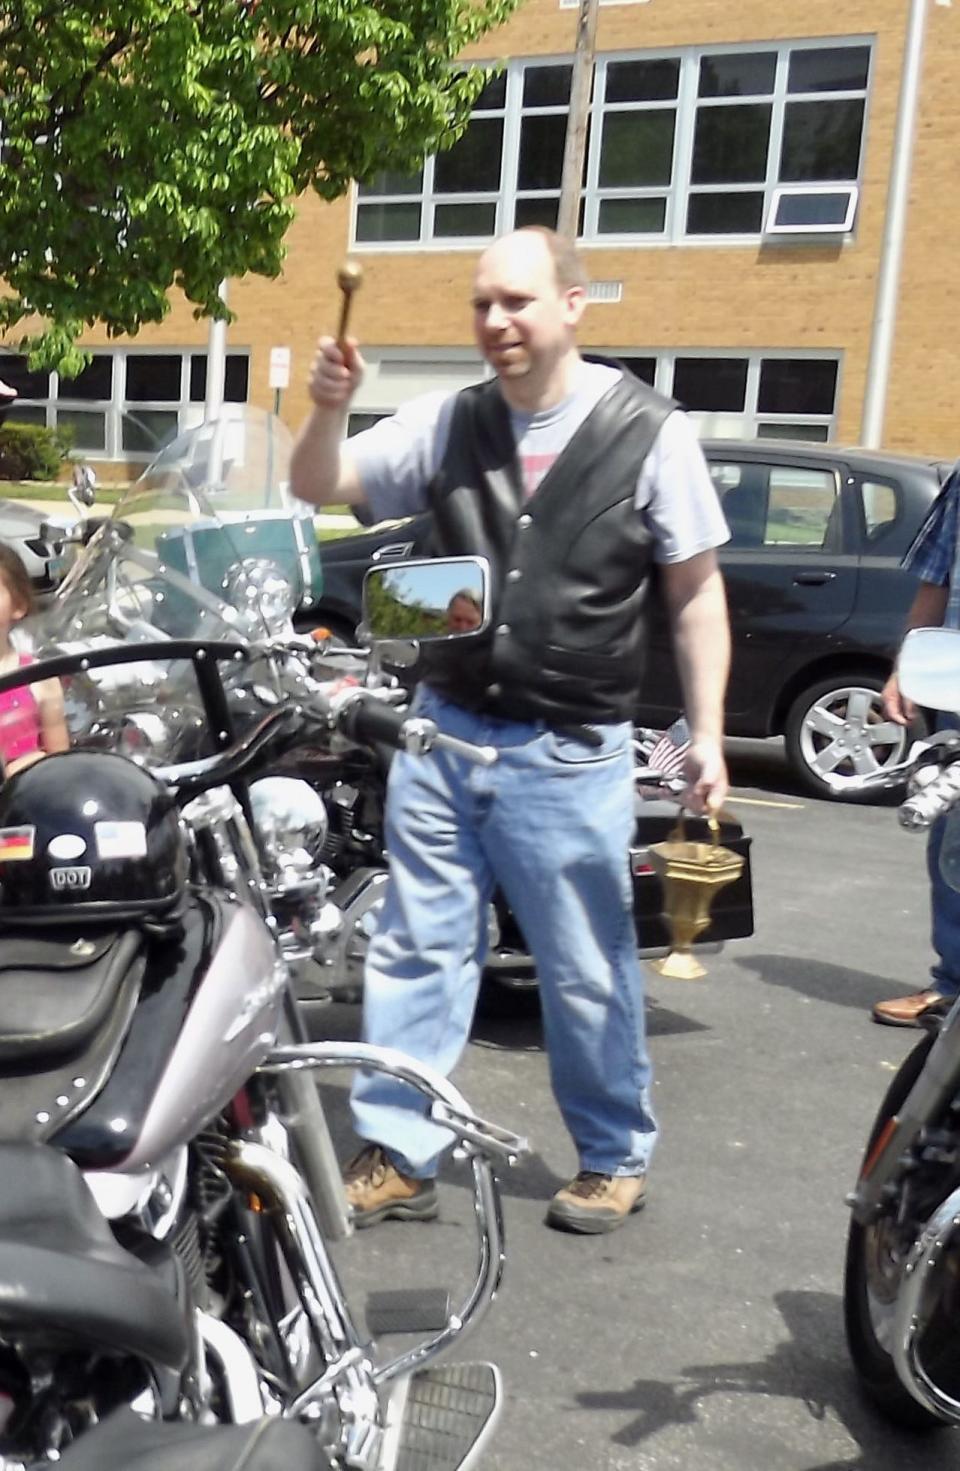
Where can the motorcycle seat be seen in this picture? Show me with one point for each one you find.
(124, 1442)
(63, 1276)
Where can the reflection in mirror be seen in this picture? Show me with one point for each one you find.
(439, 599)
(929, 668)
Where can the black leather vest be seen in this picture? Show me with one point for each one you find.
(570, 565)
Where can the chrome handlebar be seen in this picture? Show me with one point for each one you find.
(933, 800)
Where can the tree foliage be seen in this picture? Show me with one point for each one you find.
(400, 617)
(148, 144)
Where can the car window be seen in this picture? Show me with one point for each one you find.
(742, 489)
(804, 509)
(778, 505)
(878, 503)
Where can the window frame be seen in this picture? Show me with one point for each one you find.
(680, 189)
(773, 226)
(117, 407)
(750, 418)
(384, 393)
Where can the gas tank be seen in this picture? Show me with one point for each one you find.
(209, 1010)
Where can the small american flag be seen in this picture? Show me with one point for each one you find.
(669, 753)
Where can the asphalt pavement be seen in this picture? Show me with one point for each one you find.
(706, 1333)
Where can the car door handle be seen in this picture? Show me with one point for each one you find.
(813, 579)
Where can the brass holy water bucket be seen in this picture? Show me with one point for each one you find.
(692, 873)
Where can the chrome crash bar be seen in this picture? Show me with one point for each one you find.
(480, 1142)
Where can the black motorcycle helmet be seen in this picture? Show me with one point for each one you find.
(87, 835)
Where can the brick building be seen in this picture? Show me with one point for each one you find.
(732, 223)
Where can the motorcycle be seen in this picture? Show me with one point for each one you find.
(902, 1271)
(166, 1278)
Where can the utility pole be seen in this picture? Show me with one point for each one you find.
(216, 363)
(575, 146)
(895, 228)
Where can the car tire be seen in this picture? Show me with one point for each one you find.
(500, 1001)
(829, 730)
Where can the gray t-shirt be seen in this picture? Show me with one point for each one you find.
(397, 459)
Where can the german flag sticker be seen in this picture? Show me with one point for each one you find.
(16, 843)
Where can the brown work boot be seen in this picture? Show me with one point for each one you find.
(908, 1011)
(376, 1190)
(592, 1203)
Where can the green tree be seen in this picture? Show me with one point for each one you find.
(151, 144)
(399, 617)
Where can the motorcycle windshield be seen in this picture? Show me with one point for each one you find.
(200, 547)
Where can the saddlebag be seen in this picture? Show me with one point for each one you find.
(56, 991)
(66, 1004)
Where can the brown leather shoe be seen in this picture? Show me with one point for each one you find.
(906, 1011)
(376, 1190)
(592, 1203)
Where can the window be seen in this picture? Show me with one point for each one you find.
(124, 403)
(728, 394)
(771, 395)
(455, 194)
(236, 378)
(643, 368)
(693, 144)
(357, 423)
(816, 211)
(778, 505)
(712, 385)
(800, 511)
(880, 507)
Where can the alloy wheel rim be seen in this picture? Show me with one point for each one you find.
(845, 735)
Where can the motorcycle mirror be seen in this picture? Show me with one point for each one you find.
(428, 601)
(929, 668)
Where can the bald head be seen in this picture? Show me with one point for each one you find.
(525, 314)
(531, 242)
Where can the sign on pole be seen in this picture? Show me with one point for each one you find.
(279, 367)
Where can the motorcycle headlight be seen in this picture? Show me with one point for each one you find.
(261, 593)
(292, 819)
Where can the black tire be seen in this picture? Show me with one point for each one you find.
(833, 717)
(509, 990)
(499, 1001)
(873, 1364)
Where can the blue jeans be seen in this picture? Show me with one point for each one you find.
(944, 904)
(550, 823)
(945, 910)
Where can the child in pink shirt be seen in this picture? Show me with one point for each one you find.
(32, 721)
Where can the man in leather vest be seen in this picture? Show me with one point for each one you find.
(573, 479)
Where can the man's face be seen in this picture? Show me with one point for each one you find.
(462, 616)
(522, 320)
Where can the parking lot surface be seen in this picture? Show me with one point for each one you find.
(707, 1333)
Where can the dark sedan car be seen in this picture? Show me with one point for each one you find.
(816, 593)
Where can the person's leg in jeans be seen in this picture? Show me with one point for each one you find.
(558, 837)
(424, 962)
(907, 1011)
(552, 822)
(945, 914)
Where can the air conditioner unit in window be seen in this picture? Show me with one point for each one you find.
(806, 210)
